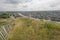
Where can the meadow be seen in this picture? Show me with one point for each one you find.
(32, 29)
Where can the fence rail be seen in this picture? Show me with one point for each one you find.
(4, 30)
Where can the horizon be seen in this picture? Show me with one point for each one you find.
(28, 11)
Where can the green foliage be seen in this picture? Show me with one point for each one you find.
(4, 15)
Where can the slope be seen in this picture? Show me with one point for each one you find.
(32, 29)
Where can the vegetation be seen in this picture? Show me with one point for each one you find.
(5, 21)
(4, 15)
(32, 29)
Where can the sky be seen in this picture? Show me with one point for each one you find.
(29, 5)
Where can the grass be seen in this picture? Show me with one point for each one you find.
(3, 22)
(31, 29)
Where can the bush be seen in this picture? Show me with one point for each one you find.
(4, 15)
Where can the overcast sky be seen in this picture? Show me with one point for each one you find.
(29, 5)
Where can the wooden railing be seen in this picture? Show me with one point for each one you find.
(4, 30)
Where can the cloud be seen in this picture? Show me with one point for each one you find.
(29, 5)
(16, 1)
(55, 3)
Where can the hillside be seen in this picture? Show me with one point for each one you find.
(32, 29)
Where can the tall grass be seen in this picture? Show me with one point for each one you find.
(31, 29)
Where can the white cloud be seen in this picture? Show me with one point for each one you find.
(31, 5)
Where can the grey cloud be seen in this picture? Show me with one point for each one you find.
(29, 5)
(17, 1)
(55, 3)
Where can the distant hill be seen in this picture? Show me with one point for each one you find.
(32, 29)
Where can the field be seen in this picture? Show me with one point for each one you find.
(32, 29)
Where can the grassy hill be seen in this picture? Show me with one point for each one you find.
(32, 29)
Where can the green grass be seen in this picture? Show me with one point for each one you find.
(2, 22)
(31, 29)
(5, 23)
